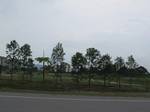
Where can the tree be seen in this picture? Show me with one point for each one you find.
(30, 67)
(124, 71)
(43, 60)
(0, 70)
(13, 55)
(92, 56)
(119, 63)
(65, 67)
(25, 52)
(105, 66)
(57, 59)
(78, 63)
(131, 63)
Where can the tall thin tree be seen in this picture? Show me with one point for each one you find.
(26, 53)
(57, 60)
(92, 56)
(43, 60)
(13, 55)
(78, 64)
(119, 63)
(105, 66)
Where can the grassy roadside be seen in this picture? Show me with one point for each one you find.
(138, 87)
(81, 93)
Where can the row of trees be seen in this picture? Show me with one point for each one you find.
(19, 58)
(93, 62)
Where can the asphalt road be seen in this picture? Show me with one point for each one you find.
(16, 102)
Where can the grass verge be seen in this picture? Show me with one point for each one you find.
(81, 93)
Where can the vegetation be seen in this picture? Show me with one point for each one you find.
(92, 71)
(12, 51)
(43, 60)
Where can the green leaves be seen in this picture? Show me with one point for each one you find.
(119, 63)
(13, 54)
(92, 55)
(18, 57)
(78, 62)
(12, 50)
(57, 57)
(131, 63)
(92, 61)
(104, 62)
(42, 59)
(25, 54)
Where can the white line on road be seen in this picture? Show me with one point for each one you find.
(77, 99)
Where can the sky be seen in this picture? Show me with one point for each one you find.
(116, 27)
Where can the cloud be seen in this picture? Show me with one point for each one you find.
(113, 26)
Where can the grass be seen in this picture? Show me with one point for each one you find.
(138, 86)
(81, 93)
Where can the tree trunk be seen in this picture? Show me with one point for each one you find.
(31, 77)
(12, 71)
(23, 75)
(56, 80)
(43, 71)
(89, 80)
(0, 71)
(78, 82)
(43, 75)
(119, 81)
(146, 83)
(105, 80)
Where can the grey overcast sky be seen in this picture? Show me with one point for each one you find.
(117, 27)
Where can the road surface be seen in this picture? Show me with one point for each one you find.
(19, 102)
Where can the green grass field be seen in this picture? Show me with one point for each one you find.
(66, 84)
